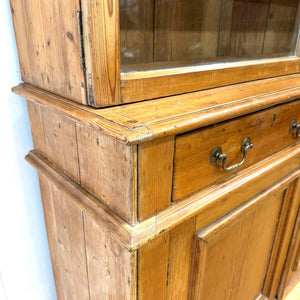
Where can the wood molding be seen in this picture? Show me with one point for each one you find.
(160, 83)
(148, 120)
(269, 170)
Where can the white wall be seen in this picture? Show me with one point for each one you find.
(25, 267)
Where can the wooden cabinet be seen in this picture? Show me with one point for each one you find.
(111, 52)
(192, 195)
(291, 269)
(230, 234)
(232, 257)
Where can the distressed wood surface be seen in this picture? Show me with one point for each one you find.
(102, 51)
(111, 268)
(48, 46)
(155, 173)
(55, 138)
(234, 251)
(49, 215)
(153, 268)
(207, 205)
(146, 121)
(192, 167)
(107, 169)
(180, 252)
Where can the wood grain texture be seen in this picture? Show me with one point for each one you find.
(180, 252)
(111, 268)
(102, 51)
(282, 239)
(107, 169)
(49, 214)
(60, 141)
(234, 251)
(71, 247)
(207, 205)
(153, 268)
(136, 31)
(144, 121)
(54, 137)
(186, 31)
(43, 29)
(192, 167)
(156, 84)
(280, 31)
(36, 125)
(291, 267)
(248, 27)
(155, 176)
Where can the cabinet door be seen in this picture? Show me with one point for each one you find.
(291, 271)
(233, 258)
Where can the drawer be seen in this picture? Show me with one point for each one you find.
(269, 131)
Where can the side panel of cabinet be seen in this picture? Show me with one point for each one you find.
(48, 42)
(88, 263)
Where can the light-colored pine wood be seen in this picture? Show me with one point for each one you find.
(207, 206)
(55, 137)
(192, 166)
(282, 239)
(71, 246)
(107, 170)
(102, 51)
(234, 251)
(153, 268)
(133, 124)
(48, 45)
(60, 141)
(291, 266)
(155, 171)
(180, 251)
(111, 268)
(49, 214)
(160, 83)
(36, 126)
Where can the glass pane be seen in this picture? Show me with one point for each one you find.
(169, 33)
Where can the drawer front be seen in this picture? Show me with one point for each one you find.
(269, 131)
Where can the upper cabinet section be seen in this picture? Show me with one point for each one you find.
(109, 52)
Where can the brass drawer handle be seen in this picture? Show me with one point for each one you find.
(216, 155)
(294, 126)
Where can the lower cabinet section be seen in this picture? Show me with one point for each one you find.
(291, 274)
(234, 240)
(231, 256)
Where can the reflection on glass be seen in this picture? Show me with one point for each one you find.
(166, 33)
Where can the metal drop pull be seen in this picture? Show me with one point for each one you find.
(216, 155)
(294, 126)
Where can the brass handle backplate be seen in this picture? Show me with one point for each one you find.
(216, 155)
(294, 126)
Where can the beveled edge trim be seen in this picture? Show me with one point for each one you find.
(132, 237)
(153, 84)
(109, 123)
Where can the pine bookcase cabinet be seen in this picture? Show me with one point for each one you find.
(191, 195)
(139, 204)
(109, 52)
